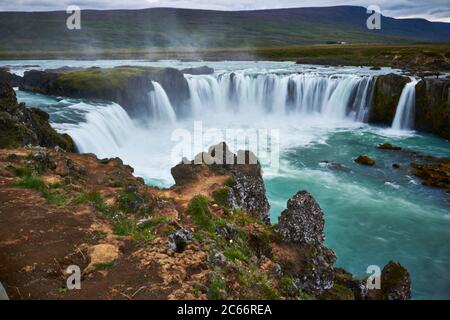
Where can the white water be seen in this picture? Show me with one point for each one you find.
(404, 115)
(161, 109)
(333, 97)
(415, 229)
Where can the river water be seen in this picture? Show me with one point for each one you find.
(315, 116)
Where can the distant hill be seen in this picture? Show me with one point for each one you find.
(185, 28)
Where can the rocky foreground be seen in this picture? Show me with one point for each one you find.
(207, 237)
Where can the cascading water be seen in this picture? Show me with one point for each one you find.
(161, 108)
(404, 115)
(335, 97)
(105, 128)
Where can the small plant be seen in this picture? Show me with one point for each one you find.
(221, 197)
(93, 197)
(23, 171)
(216, 288)
(235, 254)
(105, 265)
(230, 182)
(31, 182)
(201, 216)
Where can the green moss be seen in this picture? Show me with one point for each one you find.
(201, 216)
(31, 182)
(105, 265)
(230, 182)
(92, 197)
(23, 171)
(235, 254)
(216, 288)
(220, 197)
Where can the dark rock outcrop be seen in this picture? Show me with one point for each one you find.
(395, 284)
(198, 71)
(21, 126)
(247, 190)
(365, 160)
(388, 89)
(301, 227)
(432, 111)
(302, 221)
(127, 86)
(12, 79)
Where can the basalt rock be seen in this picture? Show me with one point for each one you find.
(302, 221)
(198, 71)
(21, 126)
(247, 191)
(127, 86)
(301, 228)
(388, 89)
(12, 79)
(432, 110)
(365, 160)
(395, 284)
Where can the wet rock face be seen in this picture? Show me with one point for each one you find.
(205, 70)
(432, 111)
(302, 221)
(388, 89)
(12, 79)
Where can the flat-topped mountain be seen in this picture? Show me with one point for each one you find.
(181, 28)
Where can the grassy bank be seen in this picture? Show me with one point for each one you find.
(419, 56)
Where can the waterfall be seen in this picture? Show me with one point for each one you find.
(333, 97)
(105, 128)
(161, 108)
(404, 115)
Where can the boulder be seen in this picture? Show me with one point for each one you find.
(388, 146)
(301, 227)
(365, 160)
(302, 221)
(395, 284)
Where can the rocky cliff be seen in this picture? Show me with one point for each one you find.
(432, 112)
(127, 86)
(432, 104)
(207, 237)
(21, 126)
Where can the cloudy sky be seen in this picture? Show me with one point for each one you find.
(435, 10)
